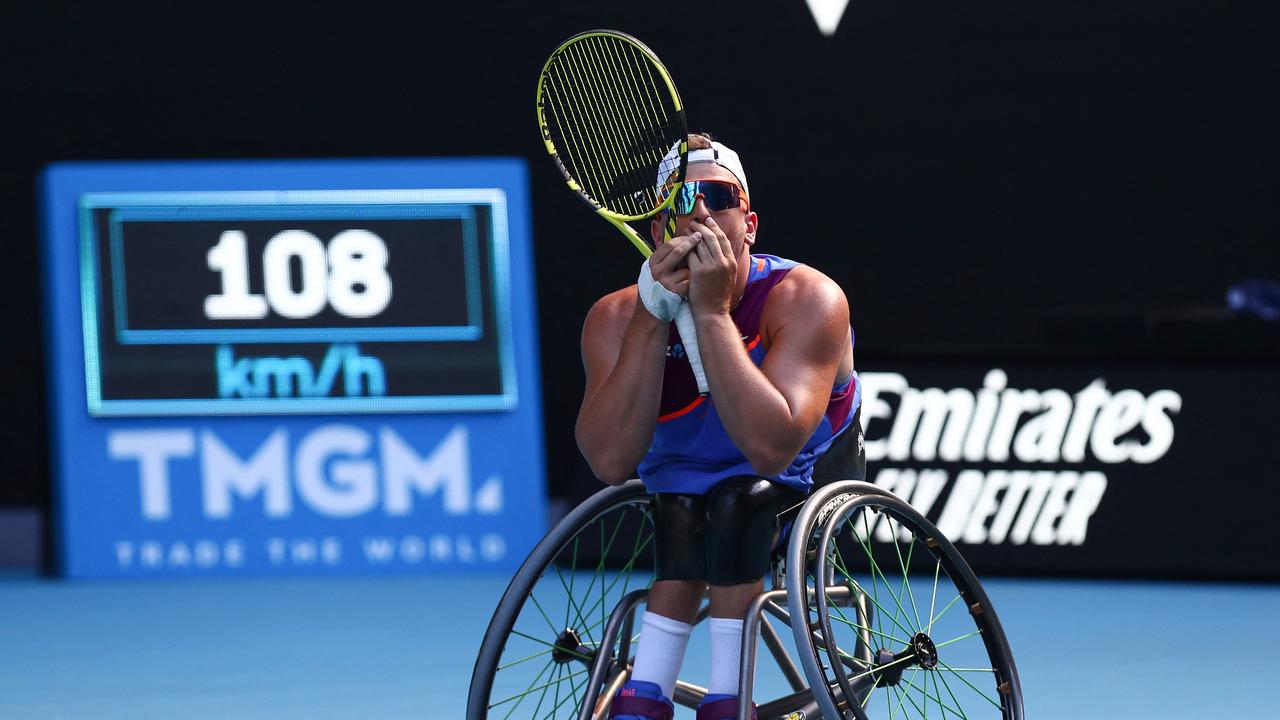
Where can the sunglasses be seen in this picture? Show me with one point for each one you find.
(716, 194)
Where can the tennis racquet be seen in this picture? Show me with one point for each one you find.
(611, 117)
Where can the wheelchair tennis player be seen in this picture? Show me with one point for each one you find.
(777, 348)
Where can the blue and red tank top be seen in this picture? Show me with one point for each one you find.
(691, 451)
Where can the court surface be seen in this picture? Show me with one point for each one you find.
(404, 647)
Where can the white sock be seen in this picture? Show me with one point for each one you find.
(726, 655)
(660, 651)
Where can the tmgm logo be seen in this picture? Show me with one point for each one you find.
(337, 472)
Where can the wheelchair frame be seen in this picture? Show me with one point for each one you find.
(831, 505)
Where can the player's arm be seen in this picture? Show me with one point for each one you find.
(623, 352)
(771, 411)
(624, 349)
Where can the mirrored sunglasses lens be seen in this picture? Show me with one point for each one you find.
(719, 196)
(686, 198)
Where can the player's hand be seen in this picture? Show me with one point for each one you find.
(668, 264)
(712, 269)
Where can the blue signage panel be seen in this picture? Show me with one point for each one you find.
(277, 367)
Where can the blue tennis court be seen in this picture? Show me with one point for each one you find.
(404, 647)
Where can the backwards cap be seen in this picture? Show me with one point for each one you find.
(718, 153)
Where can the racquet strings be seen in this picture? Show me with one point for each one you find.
(613, 120)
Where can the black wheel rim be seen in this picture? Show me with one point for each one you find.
(536, 656)
(935, 650)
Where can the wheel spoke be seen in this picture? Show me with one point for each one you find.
(945, 609)
(867, 700)
(535, 680)
(627, 569)
(938, 691)
(599, 573)
(838, 561)
(875, 593)
(875, 567)
(568, 586)
(532, 689)
(842, 619)
(553, 646)
(635, 553)
(573, 572)
(624, 574)
(577, 688)
(947, 685)
(538, 605)
(573, 602)
(892, 616)
(541, 699)
(837, 656)
(958, 639)
(846, 656)
(873, 631)
(604, 554)
(907, 695)
(899, 608)
(906, 568)
(937, 568)
(559, 672)
(880, 667)
(935, 699)
(971, 685)
(570, 696)
(901, 697)
(513, 663)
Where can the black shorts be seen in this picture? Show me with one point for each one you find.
(727, 535)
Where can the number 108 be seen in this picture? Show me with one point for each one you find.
(350, 275)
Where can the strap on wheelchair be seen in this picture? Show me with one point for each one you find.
(725, 708)
(642, 706)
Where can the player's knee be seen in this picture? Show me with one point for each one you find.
(679, 527)
(742, 514)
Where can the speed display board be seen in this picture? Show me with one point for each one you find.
(298, 301)
(292, 367)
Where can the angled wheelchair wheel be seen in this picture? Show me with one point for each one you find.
(931, 642)
(536, 655)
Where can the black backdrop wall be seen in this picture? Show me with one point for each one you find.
(995, 181)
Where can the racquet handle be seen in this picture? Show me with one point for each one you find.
(689, 338)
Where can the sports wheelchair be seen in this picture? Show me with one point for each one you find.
(887, 619)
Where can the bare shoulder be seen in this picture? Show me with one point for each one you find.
(610, 314)
(808, 295)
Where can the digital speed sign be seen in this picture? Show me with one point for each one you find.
(295, 301)
(286, 367)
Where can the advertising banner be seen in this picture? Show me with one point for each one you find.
(278, 367)
(1132, 470)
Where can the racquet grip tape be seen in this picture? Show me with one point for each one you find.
(689, 338)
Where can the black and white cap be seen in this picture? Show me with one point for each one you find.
(718, 153)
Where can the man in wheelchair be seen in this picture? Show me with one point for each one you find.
(777, 348)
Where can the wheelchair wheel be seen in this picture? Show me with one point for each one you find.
(536, 655)
(936, 644)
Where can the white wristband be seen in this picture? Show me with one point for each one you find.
(658, 300)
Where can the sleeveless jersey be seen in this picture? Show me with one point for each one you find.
(691, 451)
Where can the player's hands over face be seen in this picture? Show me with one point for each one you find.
(712, 268)
(668, 264)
